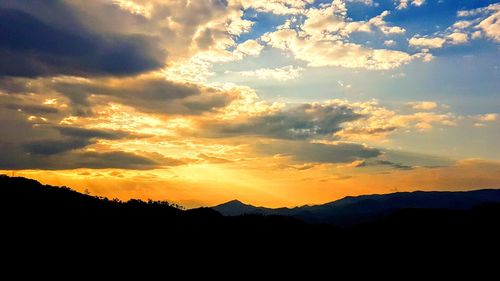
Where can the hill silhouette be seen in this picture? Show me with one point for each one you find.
(351, 211)
(48, 219)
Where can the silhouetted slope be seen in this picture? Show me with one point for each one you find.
(48, 218)
(355, 210)
(30, 203)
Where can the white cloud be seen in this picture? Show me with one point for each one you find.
(344, 85)
(425, 42)
(462, 24)
(239, 26)
(489, 117)
(478, 23)
(491, 26)
(279, 7)
(250, 48)
(379, 122)
(481, 119)
(389, 43)
(458, 38)
(418, 3)
(379, 22)
(398, 75)
(403, 4)
(476, 34)
(284, 73)
(488, 18)
(323, 40)
(423, 105)
(478, 11)
(331, 22)
(335, 52)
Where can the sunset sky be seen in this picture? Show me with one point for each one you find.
(272, 102)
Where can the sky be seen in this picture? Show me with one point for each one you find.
(272, 102)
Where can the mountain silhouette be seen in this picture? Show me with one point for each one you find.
(362, 209)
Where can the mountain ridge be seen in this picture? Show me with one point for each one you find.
(358, 209)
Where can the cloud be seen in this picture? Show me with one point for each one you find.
(31, 47)
(278, 7)
(335, 53)
(488, 117)
(72, 138)
(284, 73)
(54, 148)
(119, 38)
(343, 84)
(31, 108)
(425, 42)
(330, 120)
(458, 38)
(479, 23)
(153, 94)
(378, 122)
(304, 121)
(389, 43)
(482, 21)
(250, 48)
(319, 153)
(26, 144)
(415, 160)
(491, 25)
(379, 22)
(13, 160)
(78, 132)
(481, 119)
(323, 40)
(331, 21)
(462, 24)
(423, 105)
(398, 166)
(403, 4)
(212, 159)
(50, 147)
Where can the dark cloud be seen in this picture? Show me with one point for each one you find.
(47, 147)
(50, 147)
(148, 94)
(319, 153)
(115, 159)
(14, 158)
(390, 164)
(77, 132)
(32, 46)
(72, 138)
(25, 146)
(13, 85)
(398, 166)
(31, 109)
(417, 159)
(304, 121)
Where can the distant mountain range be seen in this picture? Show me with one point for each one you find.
(361, 209)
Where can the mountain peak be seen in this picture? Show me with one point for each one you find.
(236, 207)
(235, 201)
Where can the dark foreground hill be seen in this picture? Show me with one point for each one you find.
(46, 219)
